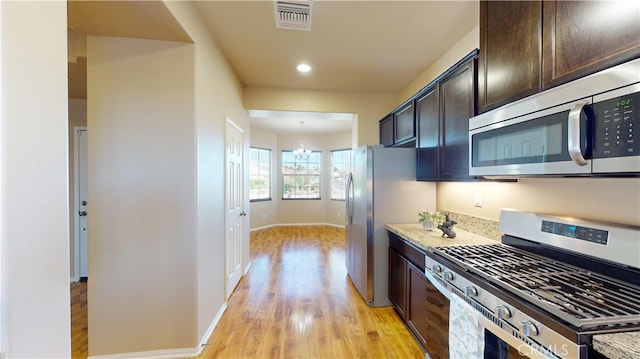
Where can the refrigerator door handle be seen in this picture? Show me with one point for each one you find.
(349, 198)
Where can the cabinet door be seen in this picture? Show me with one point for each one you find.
(457, 103)
(404, 122)
(428, 122)
(582, 37)
(510, 52)
(398, 282)
(437, 324)
(386, 131)
(417, 308)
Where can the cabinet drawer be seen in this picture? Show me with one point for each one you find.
(407, 250)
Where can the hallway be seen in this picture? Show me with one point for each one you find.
(296, 302)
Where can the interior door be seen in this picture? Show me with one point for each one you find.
(234, 201)
(81, 202)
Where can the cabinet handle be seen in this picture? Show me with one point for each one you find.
(573, 134)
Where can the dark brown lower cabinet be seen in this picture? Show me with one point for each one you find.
(437, 324)
(409, 293)
(398, 283)
(417, 307)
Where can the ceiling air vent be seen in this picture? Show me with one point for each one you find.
(294, 15)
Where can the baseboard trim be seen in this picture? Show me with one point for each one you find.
(170, 353)
(212, 326)
(153, 354)
(296, 224)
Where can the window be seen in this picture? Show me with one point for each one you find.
(301, 178)
(340, 168)
(259, 174)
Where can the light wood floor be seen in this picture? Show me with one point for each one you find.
(296, 301)
(79, 328)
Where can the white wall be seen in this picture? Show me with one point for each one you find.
(369, 107)
(34, 227)
(218, 96)
(141, 190)
(265, 213)
(612, 199)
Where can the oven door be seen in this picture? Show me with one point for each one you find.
(554, 141)
(499, 343)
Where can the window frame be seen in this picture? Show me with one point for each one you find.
(283, 175)
(269, 174)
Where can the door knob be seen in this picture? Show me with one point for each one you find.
(243, 213)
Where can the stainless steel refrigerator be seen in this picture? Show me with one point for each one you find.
(381, 189)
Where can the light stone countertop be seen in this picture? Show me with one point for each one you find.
(421, 238)
(613, 346)
(618, 346)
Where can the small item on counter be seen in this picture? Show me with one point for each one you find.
(429, 219)
(447, 227)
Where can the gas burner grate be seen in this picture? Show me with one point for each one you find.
(580, 297)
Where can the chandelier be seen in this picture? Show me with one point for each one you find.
(301, 153)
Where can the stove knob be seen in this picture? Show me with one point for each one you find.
(528, 329)
(437, 268)
(448, 276)
(502, 312)
(472, 291)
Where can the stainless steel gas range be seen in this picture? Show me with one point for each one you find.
(551, 285)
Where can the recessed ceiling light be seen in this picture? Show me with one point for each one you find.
(303, 68)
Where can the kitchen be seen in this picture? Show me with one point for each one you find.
(618, 203)
(542, 196)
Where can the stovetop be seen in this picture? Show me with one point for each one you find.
(582, 298)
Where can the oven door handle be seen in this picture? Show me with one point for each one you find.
(438, 283)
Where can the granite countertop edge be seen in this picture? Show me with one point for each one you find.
(415, 234)
(618, 345)
(613, 346)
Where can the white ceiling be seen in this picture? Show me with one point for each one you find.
(360, 46)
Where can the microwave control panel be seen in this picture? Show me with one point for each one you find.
(617, 127)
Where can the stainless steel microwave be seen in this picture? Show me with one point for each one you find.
(590, 126)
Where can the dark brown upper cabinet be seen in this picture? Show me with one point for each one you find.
(529, 46)
(583, 37)
(442, 113)
(457, 105)
(398, 129)
(386, 131)
(405, 125)
(510, 51)
(428, 120)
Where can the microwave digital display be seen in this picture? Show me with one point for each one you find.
(617, 127)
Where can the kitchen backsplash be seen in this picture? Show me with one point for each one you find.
(480, 226)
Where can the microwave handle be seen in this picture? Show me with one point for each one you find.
(573, 139)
